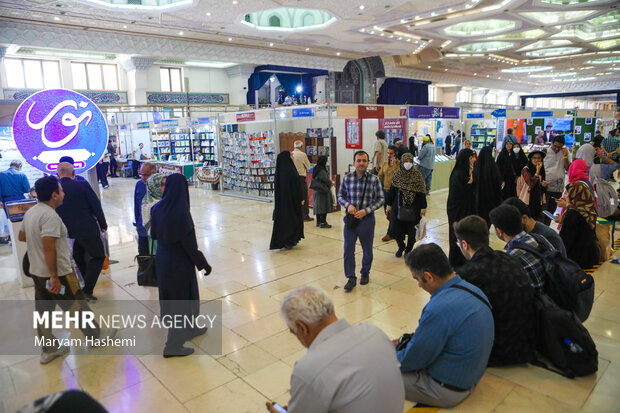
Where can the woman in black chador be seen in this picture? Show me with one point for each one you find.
(487, 184)
(176, 258)
(288, 224)
(509, 169)
(461, 200)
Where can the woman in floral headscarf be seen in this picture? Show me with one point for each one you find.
(154, 191)
(408, 192)
(578, 220)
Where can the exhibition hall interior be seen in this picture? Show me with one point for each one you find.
(377, 206)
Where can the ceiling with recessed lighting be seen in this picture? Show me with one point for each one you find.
(445, 41)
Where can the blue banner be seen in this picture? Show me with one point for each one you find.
(499, 113)
(475, 115)
(204, 121)
(303, 112)
(547, 114)
(169, 122)
(144, 125)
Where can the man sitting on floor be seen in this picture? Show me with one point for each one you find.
(448, 353)
(505, 283)
(347, 369)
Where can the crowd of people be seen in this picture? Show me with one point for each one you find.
(470, 320)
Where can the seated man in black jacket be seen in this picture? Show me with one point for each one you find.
(504, 281)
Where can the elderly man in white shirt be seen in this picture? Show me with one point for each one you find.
(300, 159)
(347, 369)
(556, 163)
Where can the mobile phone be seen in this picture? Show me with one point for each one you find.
(48, 285)
(279, 408)
(550, 215)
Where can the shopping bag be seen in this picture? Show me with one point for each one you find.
(523, 190)
(420, 232)
(603, 239)
(334, 200)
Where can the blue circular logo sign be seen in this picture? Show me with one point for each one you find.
(54, 123)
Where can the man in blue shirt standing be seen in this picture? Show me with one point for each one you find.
(426, 159)
(449, 351)
(360, 194)
(13, 183)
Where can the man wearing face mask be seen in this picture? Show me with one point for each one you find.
(334, 375)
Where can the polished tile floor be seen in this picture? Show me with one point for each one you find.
(258, 351)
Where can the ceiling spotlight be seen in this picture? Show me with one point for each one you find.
(400, 38)
(235, 2)
(428, 67)
(270, 44)
(449, 10)
(180, 33)
(382, 34)
(362, 7)
(56, 18)
(307, 49)
(500, 78)
(372, 32)
(445, 70)
(487, 75)
(338, 54)
(417, 17)
(124, 26)
(475, 74)
(408, 40)
(208, 14)
(230, 39)
(362, 30)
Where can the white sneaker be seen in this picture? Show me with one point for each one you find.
(48, 357)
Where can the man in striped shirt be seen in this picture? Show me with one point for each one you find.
(361, 195)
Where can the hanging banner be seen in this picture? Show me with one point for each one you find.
(433, 112)
(546, 114)
(353, 133)
(475, 115)
(246, 117)
(53, 123)
(370, 112)
(394, 129)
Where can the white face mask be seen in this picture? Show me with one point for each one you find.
(516, 150)
(408, 165)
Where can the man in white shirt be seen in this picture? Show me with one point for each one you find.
(347, 369)
(380, 156)
(138, 155)
(48, 253)
(556, 163)
(300, 159)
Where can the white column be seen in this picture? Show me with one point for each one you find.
(238, 88)
(137, 78)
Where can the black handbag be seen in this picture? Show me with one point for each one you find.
(349, 219)
(318, 186)
(403, 341)
(147, 276)
(406, 214)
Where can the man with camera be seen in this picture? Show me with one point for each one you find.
(361, 195)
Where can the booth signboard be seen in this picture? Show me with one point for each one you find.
(303, 112)
(144, 125)
(394, 129)
(204, 121)
(53, 123)
(246, 117)
(370, 112)
(169, 123)
(353, 131)
(475, 115)
(433, 112)
(546, 114)
(499, 113)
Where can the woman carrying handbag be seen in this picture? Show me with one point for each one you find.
(406, 201)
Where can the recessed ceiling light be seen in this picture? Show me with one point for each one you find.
(362, 30)
(382, 34)
(487, 75)
(408, 40)
(428, 67)
(445, 70)
(180, 33)
(338, 54)
(56, 18)
(362, 7)
(307, 49)
(417, 17)
(230, 39)
(208, 13)
(500, 78)
(235, 2)
(391, 36)
(124, 26)
(372, 32)
(475, 74)
(449, 10)
(271, 44)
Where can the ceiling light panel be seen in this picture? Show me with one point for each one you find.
(480, 27)
(607, 44)
(485, 47)
(553, 74)
(605, 60)
(557, 51)
(528, 34)
(606, 19)
(141, 5)
(541, 44)
(526, 69)
(288, 19)
(572, 2)
(555, 17)
(574, 79)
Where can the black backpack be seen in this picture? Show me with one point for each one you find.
(566, 283)
(563, 340)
